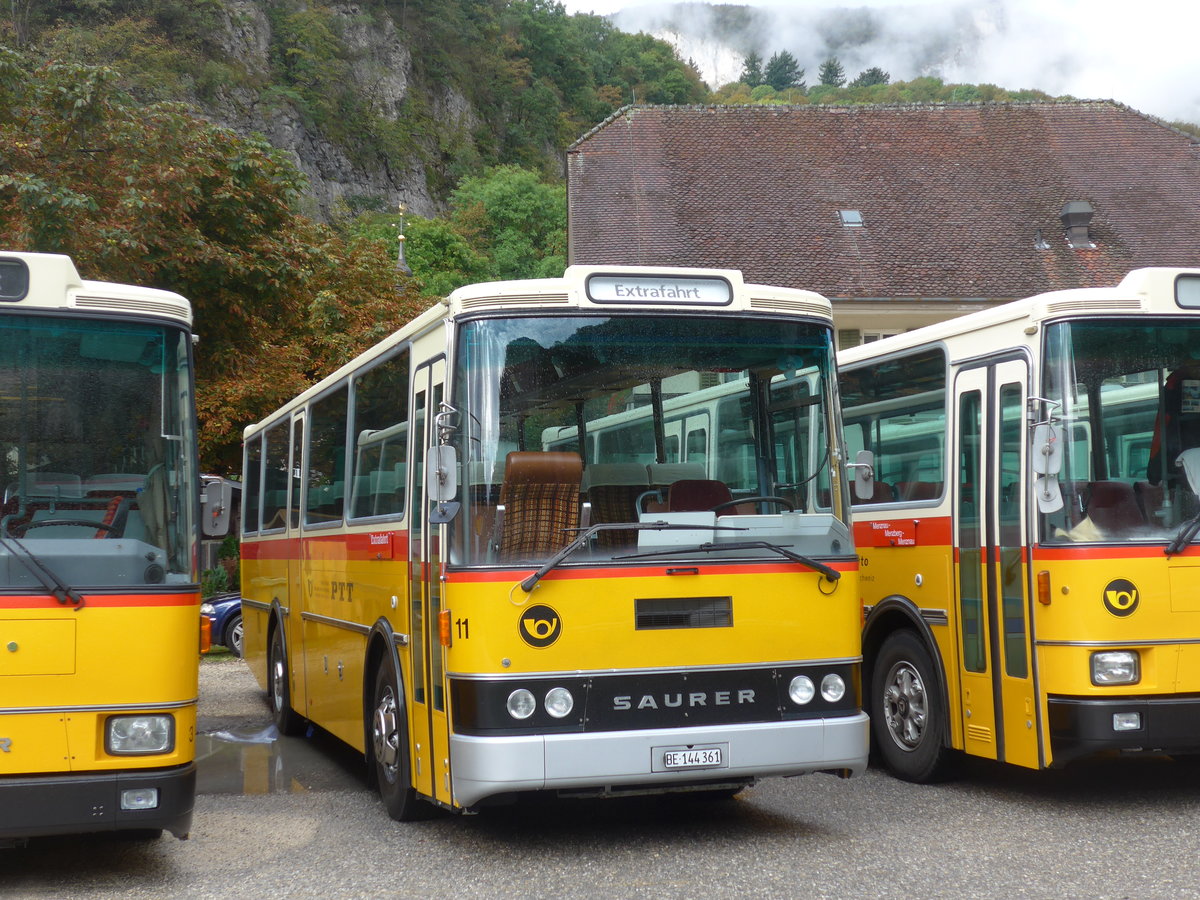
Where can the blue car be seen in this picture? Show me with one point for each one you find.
(225, 612)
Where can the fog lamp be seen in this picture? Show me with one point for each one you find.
(139, 798)
(1127, 721)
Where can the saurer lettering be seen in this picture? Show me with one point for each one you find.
(677, 700)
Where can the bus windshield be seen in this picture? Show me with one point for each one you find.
(97, 453)
(720, 427)
(1128, 396)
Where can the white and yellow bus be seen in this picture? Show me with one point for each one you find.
(99, 592)
(443, 567)
(1026, 533)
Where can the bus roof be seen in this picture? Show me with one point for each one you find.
(638, 287)
(1142, 291)
(51, 281)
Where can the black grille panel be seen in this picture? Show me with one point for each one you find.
(683, 612)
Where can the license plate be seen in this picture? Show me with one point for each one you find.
(692, 759)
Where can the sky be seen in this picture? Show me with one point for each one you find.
(1141, 54)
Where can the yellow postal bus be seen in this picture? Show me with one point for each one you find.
(99, 595)
(450, 565)
(1025, 518)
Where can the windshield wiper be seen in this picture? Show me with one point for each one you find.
(1187, 531)
(830, 573)
(45, 576)
(531, 582)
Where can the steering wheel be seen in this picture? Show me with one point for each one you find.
(82, 522)
(781, 501)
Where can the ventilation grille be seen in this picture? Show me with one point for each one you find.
(979, 733)
(127, 304)
(800, 306)
(1086, 305)
(684, 612)
(508, 300)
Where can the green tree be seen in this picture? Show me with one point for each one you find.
(752, 70)
(515, 220)
(783, 71)
(832, 73)
(871, 76)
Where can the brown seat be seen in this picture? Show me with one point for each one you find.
(540, 499)
(613, 489)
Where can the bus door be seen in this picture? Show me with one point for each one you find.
(425, 676)
(996, 696)
(295, 566)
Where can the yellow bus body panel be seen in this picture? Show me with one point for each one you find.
(71, 670)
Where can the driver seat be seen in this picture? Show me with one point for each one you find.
(696, 495)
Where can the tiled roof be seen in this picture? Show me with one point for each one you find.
(952, 195)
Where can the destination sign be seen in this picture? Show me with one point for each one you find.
(635, 289)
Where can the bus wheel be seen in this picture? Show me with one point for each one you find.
(280, 694)
(388, 750)
(907, 710)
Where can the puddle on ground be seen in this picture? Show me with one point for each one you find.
(261, 761)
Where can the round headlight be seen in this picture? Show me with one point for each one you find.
(833, 688)
(521, 704)
(559, 702)
(801, 690)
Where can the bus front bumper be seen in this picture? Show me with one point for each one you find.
(37, 805)
(1083, 726)
(612, 760)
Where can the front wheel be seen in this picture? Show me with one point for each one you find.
(388, 750)
(280, 694)
(907, 710)
(233, 634)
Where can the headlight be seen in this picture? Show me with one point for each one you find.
(559, 702)
(133, 735)
(801, 690)
(521, 704)
(833, 688)
(207, 609)
(1115, 667)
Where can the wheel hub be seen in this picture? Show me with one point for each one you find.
(384, 736)
(904, 706)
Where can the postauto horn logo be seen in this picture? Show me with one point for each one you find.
(1120, 597)
(540, 626)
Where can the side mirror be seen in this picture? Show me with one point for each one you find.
(216, 506)
(864, 474)
(1046, 450)
(441, 473)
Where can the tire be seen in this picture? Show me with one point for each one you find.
(387, 750)
(908, 712)
(279, 693)
(233, 635)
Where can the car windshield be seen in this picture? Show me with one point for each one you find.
(722, 427)
(96, 457)
(1128, 404)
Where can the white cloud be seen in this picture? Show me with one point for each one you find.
(1139, 54)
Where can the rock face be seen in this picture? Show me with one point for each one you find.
(380, 65)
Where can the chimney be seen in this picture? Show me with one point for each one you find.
(1076, 215)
